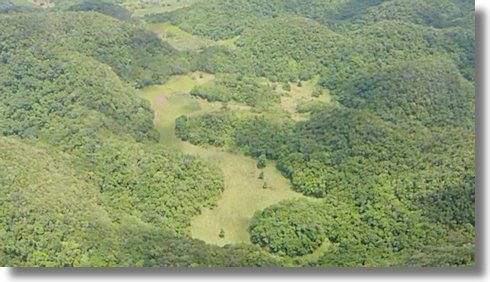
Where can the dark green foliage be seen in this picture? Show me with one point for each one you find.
(295, 50)
(155, 185)
(261, 162)
(378, 234)
(255, 134)
(49, 95)
(221, 19)
(15, 6)
(81, 106)
(215, 59)
(436, 13)
(457, 251)
(227, 87)
(331, 138)
(52, 216)
(49, 216)
(263, 135)
(218, 19)
(136, 55)
(373, 46)
(311, 106)
(331, 13)
(153, 249)
(291, 228)
(103, 7)
(224, 18)
(429, 90)
(300, 48)
(208, 129)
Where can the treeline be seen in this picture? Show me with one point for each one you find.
(231, 87)
(103, 7)
(16, 6)
(220, 19)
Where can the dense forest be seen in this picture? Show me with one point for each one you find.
(365, 107)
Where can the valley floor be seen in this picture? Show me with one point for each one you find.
(244, 192)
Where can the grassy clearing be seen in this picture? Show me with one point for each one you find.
(244, 192)
(230, 43)
(178, 38)
(300, 94)
(244, 195)
(182, 40)
(172, 100)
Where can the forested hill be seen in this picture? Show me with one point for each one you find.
(368, 33)
(366, 107)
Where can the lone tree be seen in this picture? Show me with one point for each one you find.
(222, 233)
(261, 175)
(286, 87)
(261, 161)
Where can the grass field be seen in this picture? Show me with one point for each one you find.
(244, 195)
(244, 192)
(172, 100)
(182, 40)
(290, 100)
(178, 38)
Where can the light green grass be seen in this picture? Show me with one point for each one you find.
(244, 193)
(182, 40)
(172, 100)
(243, 196)
(178, 38)
(230, 43)
(290, 100)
